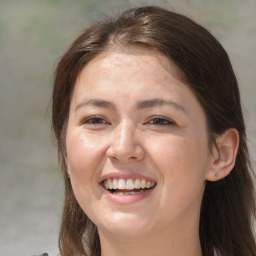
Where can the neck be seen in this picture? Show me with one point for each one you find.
(182, 243)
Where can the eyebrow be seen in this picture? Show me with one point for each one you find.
(159, 102)
(96, 102)
(156, 102)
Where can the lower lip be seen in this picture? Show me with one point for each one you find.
(127, 199)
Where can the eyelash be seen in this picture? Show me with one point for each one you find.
(160, 121)
(96, 120)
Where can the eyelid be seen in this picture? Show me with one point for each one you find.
(94, 117)
(169, 121)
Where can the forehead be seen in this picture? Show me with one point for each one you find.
(137, 59)
(130, 76)
(127, 72)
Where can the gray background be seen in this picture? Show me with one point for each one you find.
(33, 35)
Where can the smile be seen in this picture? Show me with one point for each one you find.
(127, 187)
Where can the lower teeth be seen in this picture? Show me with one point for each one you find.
(127, 193)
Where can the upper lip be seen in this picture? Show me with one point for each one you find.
(125, 176)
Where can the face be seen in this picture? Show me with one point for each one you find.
(137, 148)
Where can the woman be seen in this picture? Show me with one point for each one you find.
(151, 137)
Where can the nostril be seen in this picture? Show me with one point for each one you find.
(125, 154)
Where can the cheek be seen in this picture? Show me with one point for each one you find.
(182, 162)
(178, 151)
(84, 154)
(85, 158)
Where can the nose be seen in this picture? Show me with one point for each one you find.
(125, 145)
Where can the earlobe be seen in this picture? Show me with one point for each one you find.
(223, 157)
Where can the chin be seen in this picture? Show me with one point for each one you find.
(125, 225)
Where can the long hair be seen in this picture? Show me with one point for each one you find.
(228, 205)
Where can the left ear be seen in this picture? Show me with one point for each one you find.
(222, 159)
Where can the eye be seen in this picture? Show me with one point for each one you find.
(94, 120)
(160, 121)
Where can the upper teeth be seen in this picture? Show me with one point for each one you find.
(127, 184)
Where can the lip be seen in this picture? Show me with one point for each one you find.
(125, 199)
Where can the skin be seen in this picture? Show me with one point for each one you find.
(165, 142)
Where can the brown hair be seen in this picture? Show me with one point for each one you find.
(228, 205)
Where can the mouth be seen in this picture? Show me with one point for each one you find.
(127, 186)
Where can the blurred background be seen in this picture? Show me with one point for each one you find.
(33, 36)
